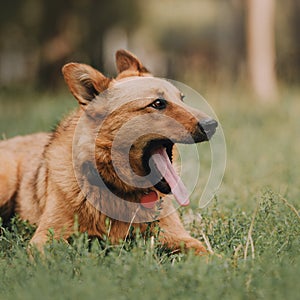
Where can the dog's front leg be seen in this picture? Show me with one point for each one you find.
(175, 237)
(59, 221)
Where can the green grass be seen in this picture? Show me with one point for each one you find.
(253, 224)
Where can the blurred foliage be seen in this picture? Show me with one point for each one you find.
(140, 269)
(49, 33)
(195, 41)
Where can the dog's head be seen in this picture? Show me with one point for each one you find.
(141, 117)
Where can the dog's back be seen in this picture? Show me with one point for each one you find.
(19, 159)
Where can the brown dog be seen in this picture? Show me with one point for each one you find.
(110, 159)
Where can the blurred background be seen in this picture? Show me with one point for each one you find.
(199, 41)
(242, 56)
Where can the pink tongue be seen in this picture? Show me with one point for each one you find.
(166, 169)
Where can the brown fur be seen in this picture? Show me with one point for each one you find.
(37, 178)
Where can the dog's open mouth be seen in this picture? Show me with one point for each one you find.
(157, 162)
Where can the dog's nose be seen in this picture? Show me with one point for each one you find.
(208, 127)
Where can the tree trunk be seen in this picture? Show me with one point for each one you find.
(261, 48)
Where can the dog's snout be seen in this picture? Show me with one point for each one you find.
(208, 127)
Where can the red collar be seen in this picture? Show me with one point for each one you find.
(149, 200)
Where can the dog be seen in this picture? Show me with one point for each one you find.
(110, 159)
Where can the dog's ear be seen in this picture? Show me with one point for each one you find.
(84, 82)
(127, 61)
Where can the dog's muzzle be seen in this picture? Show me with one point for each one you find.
(208, 127)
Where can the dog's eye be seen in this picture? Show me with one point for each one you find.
(159, 104)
